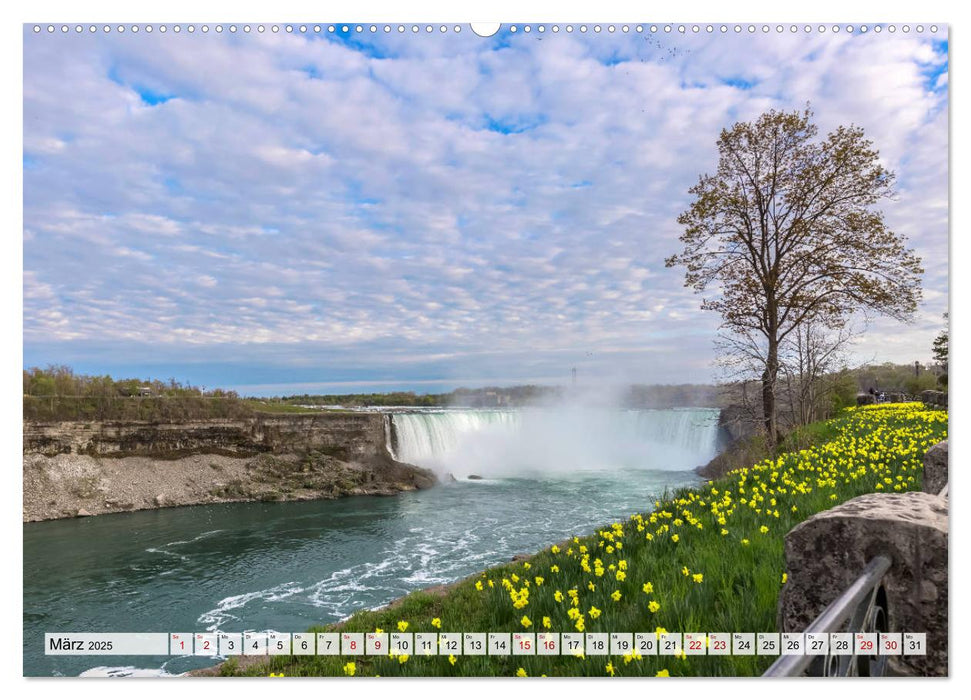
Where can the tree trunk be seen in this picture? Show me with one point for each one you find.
(768, 394)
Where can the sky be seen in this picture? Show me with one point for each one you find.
(285, 212)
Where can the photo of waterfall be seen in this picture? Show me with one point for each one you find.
(357, 349)
(555, 441)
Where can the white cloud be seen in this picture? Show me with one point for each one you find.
(298, 199)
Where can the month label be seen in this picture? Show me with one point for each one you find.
(106, 643)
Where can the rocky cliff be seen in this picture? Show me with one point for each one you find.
(76, 468)
(737, 431)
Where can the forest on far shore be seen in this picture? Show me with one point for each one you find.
(56, 392)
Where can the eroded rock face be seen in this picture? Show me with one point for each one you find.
(74, 468)
(935, 468)
(829, 551)
(736, 423)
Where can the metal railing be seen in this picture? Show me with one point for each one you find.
(861, 607)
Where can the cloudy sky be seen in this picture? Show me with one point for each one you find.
(283, 212)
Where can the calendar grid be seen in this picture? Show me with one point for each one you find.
(223, 644)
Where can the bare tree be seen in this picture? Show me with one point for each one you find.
(808, 356)
(785, 233)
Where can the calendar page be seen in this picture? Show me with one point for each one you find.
(523, 349)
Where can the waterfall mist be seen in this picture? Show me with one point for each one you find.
(556, 439)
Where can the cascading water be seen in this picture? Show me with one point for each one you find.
(505, 443)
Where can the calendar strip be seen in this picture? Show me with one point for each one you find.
(223, 644)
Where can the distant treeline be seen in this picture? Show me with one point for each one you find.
(57, 393)
(487, 397)
(637, 396)
(395, 398)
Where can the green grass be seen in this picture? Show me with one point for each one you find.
(864, 450)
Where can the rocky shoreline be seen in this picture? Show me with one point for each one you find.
(75, 469)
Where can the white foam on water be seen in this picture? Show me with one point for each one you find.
(126, 672)
(216, 617)
(161, 549)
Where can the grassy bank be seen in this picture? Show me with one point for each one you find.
(705, 559)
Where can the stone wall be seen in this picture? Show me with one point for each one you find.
(827, 552)
(935, 468)
(935, 399)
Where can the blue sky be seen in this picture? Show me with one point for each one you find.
(281, 213)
